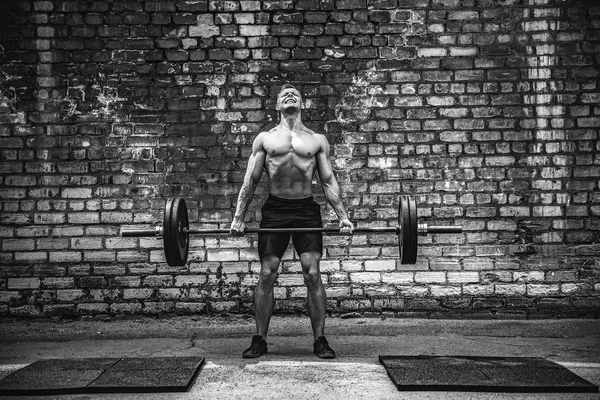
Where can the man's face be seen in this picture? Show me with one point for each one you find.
(289, 99)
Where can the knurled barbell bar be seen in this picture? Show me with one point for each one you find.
(175, 231)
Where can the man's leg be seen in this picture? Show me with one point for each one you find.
(317, 302)
(317, 299)
(264, 301)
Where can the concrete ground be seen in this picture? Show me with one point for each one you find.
(290, 370)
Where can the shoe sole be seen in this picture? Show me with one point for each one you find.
(253, 356)
(326, 356)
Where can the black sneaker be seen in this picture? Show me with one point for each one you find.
(322, 349)
(256, 349)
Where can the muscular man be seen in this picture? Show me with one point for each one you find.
(290, 153)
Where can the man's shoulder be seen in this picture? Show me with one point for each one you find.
(320, 137)
(258, 141)
(317, 135)
(262, 134)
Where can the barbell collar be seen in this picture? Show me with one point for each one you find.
(425, 229)
(157, 232)
(128, 232)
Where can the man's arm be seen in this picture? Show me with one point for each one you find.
(251, 178)
(331, 188)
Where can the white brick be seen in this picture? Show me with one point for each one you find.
(86, 243)
(444, 291)
(398, 278)
(463, 277)
(430, 277)
(290, 280)
(547, 211)
(478, 290)
(414, 291)
(528, 276)
(189, 280)
(92, 308)
(31, 257)
(542, 290)
(352, 265)
(8, 297)
(380, 265)
(99, 256)
(510, 289)
(222, 255)
(234, 243)
(249, 255)
(76, 193)
(120, 243)
(381, 290)
(214, 281)
(432, 52)
(365, 277)
(254, 30)
(234, 267)
(337, 291)
(205, 27)
(329, 266)
(69, 294)
(463, 51)
(339, 277)
(138, 293)
(298, 292)
(574, 288)
(478, 264)
(126, 308)
(23, 283)
(18, 244)
(131, 256)
(280, 293)
(58, 282)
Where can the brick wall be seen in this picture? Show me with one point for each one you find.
(487, 111)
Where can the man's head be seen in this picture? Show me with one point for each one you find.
(289, 99)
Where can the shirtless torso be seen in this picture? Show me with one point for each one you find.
(290, 154)
(290, 161)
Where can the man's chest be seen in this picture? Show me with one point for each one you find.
(284, 143)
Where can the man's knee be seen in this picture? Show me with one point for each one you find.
(268, 270)
(310, 269)
(312, 279)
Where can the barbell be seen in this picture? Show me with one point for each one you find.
(175, 231)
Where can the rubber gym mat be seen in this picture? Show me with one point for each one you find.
(482, 374)
(103, 375)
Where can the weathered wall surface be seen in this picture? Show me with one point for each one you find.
(486, 110)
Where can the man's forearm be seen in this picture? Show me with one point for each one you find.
(244, 199)
(333, 194)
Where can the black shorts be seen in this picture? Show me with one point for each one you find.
(288, 213)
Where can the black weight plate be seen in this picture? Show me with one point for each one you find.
(166, 232)
(403, 224)
(176, 241)
(169, 240)
(184, 225)
(413, 232)
(407, 220)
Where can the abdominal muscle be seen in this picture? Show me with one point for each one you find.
(290, 175)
